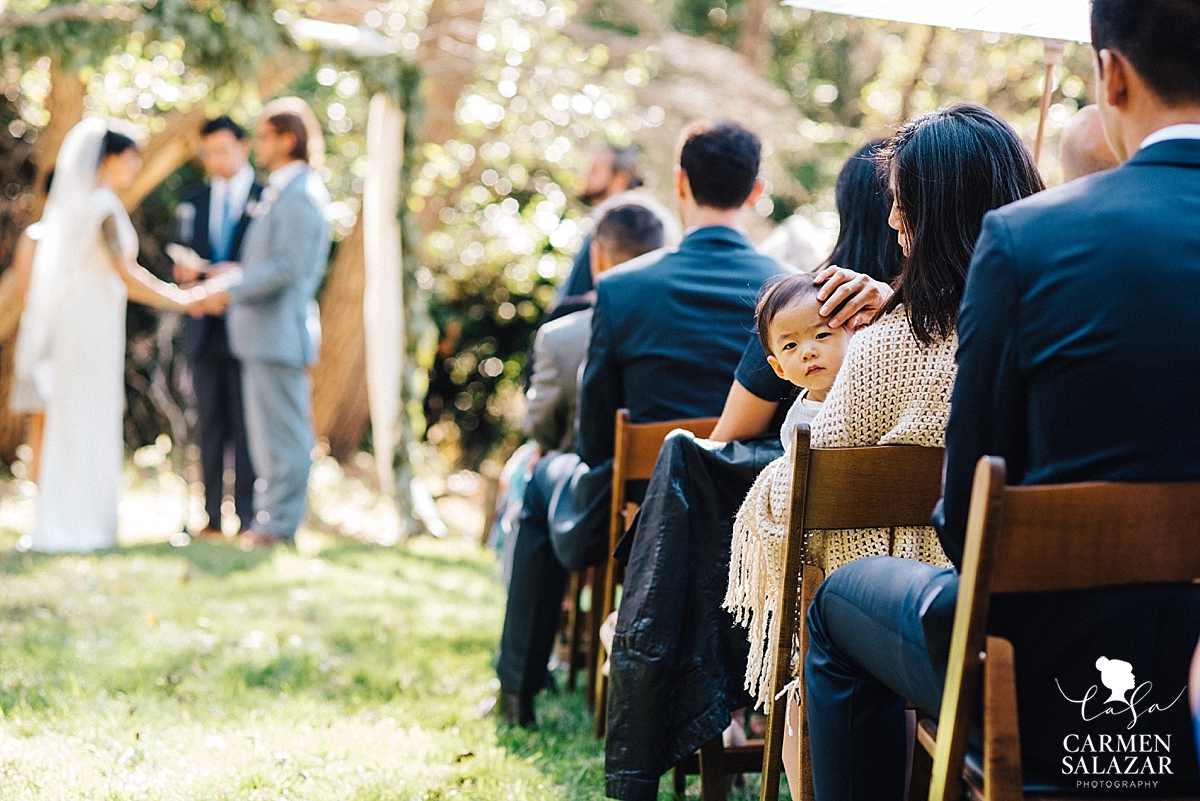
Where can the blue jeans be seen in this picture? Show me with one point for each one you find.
(879, 632)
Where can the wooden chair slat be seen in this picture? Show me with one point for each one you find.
(877, 487)
(645, 441)
(1076, 536)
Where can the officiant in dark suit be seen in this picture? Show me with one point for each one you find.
(211, 219)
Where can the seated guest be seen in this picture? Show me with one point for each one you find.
(613, 178)
(670, 623)
(1049, 328)
(947, 169)
(1083, 148)
(623, 233)
(667, 332)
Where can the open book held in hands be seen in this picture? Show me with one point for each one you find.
(186, 257)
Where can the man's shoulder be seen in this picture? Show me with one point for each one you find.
(567, 328)
(305, 191)
(1054, 209)
(635, 273)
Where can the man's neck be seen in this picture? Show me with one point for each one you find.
(707, 216)
(233, 175)
(1139, 126)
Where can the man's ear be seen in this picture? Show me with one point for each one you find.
(756, 192)
(599, 259)
(776, 366)
(1113, 73)
(682, 187)
(619, 183)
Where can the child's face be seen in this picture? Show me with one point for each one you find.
(805, 350)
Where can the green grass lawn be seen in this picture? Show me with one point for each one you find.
(344, 671)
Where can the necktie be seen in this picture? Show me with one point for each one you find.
(227, 226)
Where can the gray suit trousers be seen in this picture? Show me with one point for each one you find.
(278, 407)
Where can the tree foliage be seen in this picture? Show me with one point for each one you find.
(490, 219)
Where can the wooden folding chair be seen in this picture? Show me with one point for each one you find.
(577, 655)
(884, 486)
(635, 450)
(1064, 537)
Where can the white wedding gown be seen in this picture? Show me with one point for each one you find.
(83, 451)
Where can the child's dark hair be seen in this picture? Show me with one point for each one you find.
(778, 294)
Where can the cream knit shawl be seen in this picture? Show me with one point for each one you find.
(891, 390)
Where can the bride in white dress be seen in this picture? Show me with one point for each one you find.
(72, 336)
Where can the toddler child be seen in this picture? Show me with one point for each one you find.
(802, 349)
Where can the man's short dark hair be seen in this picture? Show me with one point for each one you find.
(1161, 40)
(628, 231)
(625, 159)
(223, 123)
(721, 162)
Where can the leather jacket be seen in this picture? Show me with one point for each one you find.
(678, 659)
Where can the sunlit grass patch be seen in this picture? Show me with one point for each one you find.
(341, 672)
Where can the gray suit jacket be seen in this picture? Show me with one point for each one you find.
(558, 351)
(271, 315)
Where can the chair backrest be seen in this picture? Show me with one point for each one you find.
(1053, 537)
(883, 486)
(637, 445)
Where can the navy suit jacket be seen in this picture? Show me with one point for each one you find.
(206, 336)
(667, 334)
(1079, 360)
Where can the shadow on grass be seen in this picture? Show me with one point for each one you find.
(220, 560)
(564, 748)
(352, 553)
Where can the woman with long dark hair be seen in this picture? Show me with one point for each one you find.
(946, 170)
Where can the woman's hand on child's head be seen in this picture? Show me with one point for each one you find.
(854, 296)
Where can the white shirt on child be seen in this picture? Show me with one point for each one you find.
(802, 411)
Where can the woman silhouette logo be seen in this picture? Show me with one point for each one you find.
(1117, 676)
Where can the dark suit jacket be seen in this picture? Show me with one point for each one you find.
(206, 336)
(1079, 359)
(667, 334)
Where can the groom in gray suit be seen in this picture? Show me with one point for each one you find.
(272, 320)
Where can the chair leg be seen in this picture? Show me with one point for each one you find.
(811, 578)
(680, 783)
(714, 784)
(773, 746)
(597, 685)
(1002, 779)
(574, 631)
(921, 768)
